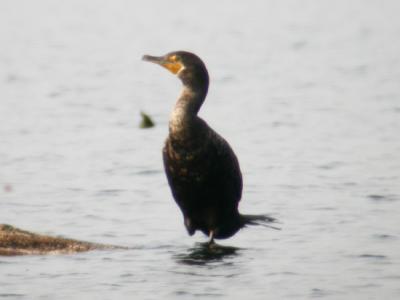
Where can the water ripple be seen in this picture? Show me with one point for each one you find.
(373, 256)
(382, 198)
(204, 254)
(11, 295)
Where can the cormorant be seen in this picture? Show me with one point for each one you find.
(202, 169)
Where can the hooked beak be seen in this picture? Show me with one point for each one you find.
(154, 59)
(173, 66)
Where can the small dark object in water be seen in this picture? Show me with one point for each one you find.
(202, 169)
(146, 121)
(14, 241)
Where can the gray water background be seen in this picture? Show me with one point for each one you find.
(306, 92)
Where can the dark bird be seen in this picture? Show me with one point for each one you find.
(202, 169)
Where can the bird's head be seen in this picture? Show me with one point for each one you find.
(187, 66)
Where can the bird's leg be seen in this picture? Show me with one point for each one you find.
(211, 236)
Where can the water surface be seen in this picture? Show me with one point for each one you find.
(306, 92)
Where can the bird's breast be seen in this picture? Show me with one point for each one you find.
(187, 162)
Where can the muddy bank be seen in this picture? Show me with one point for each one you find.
(14, 241)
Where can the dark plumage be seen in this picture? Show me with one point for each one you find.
(202, 169)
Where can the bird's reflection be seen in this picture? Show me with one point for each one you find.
(205, 253)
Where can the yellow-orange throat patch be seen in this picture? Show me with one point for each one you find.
(174, 67)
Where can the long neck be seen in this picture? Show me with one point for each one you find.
(186, 109)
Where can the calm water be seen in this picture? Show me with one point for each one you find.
(306, 92)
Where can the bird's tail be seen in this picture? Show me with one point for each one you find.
(263, 220)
